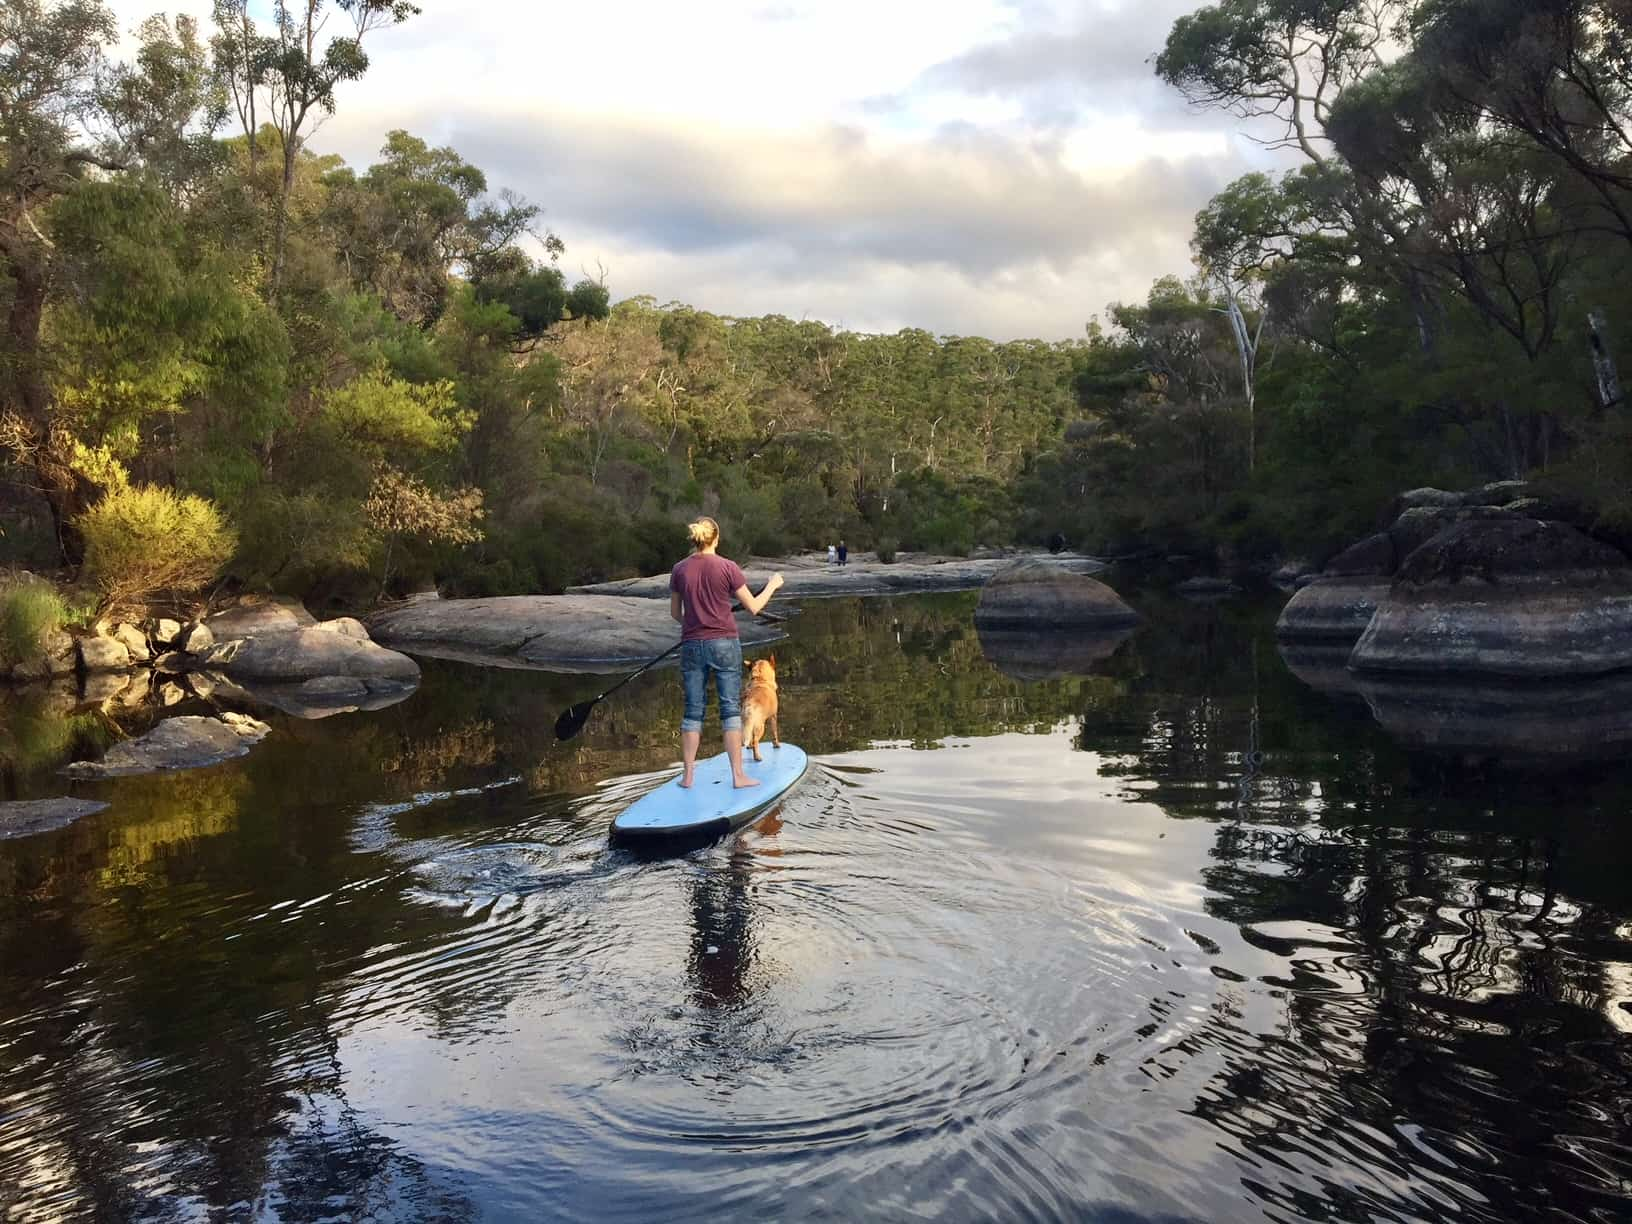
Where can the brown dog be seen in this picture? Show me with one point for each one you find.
(759, 705)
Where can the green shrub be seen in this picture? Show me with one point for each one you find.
(29, 611)
(144, 540)
(886, 551)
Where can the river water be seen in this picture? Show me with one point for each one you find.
(1179, 939)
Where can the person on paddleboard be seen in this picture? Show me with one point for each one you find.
(700, 592)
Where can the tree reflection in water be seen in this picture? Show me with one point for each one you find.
(1451, 939)
(1446, 924)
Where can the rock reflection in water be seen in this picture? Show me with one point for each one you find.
(1501, 721)
(1047, 654)
(1514, 723)
(1323, 667)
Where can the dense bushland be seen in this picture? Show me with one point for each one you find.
(340, 381)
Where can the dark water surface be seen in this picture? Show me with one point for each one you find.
(1181, 939)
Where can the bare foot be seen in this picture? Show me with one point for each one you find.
(687, 779)
(744, 782)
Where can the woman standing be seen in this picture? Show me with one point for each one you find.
(700, 592)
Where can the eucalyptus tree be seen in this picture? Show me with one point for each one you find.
(301, 73)
(420, 215)
(1284, 64)
(1555, 73)
(1284, 61)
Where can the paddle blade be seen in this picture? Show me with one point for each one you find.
(572, 720)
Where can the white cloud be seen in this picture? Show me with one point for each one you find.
(1002, 167)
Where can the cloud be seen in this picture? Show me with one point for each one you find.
(837, 222)
(1062, 65)
(1002, 167)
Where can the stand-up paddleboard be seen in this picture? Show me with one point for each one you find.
(712, 804)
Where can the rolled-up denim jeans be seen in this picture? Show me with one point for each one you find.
(722, 659)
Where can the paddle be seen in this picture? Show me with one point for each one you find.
(573, 718)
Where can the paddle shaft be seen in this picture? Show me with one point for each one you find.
(644, 667)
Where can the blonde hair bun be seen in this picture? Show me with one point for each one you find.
(703, 532)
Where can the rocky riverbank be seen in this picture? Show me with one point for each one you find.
(809, 576)
(1468, 618)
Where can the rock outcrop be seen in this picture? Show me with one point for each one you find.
(811, 577)
(542, 632)
(1506, 597)
(195, 639)
(103, 654)
(1338, 605)
(25, 818)
(1331, 609)
(252, 615)
(1033, 594)
(176, 743)
(133, 640)
(296, 655)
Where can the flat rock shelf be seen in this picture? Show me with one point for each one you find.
(911, 574)
(582, 633)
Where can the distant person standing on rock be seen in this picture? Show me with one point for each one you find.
(832, 555)
(844, 554)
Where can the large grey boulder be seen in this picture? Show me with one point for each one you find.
(101, 654)
(1415, 498)
(1505, 597)
(1331, 609)
(25, 818)
(295, 655)
(195, 639)
(345, 626)
(1033, 594)
(251, 615)
(133, 640)
(1415, 527)
(176, 743)
(573, 633)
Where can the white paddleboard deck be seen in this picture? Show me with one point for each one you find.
(712, 803)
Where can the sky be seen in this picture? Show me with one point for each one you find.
(1003, 168)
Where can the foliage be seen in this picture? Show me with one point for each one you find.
(400, 508)
(142, 541)
(30, 611)
(380, 371)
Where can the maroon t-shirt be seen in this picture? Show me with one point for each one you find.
(706, 583)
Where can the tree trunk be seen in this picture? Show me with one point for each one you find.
(280, 236)
(1603, 363)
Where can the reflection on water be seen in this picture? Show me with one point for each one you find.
(1165, 934)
